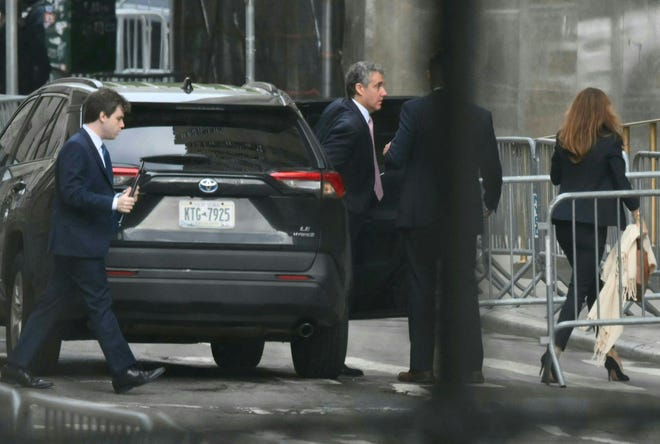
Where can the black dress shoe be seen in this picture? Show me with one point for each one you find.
(417, 376)
(348, 371)
(475, 377)
(19, 376)
(134, 377)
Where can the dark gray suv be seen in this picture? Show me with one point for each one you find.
(239, 236)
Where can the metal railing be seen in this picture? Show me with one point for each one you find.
(8, 105)
(626, 317)
(651, 125)
(140, 32)
(512, 242)
(31, 416)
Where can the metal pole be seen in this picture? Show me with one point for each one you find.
(170, 37)
(653, 137)
(249, 41)
(11, 46)
(326, 50)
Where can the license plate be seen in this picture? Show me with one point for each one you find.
(206, 213)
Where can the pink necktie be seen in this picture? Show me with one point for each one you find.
(378, 186)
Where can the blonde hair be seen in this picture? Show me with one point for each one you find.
(590, 116)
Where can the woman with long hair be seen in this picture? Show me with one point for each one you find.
(588, 156)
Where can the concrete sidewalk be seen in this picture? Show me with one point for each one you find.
(638, 342)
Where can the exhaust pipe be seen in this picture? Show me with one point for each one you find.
(305, 330)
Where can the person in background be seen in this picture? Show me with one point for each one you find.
(3, 52)
(345, 130)
(83, 223)
(421, 146)
(33, 61)
(588, 156)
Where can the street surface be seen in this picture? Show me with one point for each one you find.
(271, 404)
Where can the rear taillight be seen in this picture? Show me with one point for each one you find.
(329, 183)
(293, 277)
(124, 176)
(332, 184)
(121, 273)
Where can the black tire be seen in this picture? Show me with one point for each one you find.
(17, 309)
(244, 353)
(20, 305)
(322, 354)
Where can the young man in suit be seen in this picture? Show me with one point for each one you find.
(83, 223)
(345, 130)
(441, 202)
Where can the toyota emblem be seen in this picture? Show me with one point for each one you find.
(208, 186)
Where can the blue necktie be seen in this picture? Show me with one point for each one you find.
(106, 160)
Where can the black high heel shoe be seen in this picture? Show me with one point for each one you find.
(614, 372)
(548, 375)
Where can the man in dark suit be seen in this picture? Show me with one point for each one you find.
(83, 223)
(345, 130)
(431, 214)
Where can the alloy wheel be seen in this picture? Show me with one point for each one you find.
(16, 310)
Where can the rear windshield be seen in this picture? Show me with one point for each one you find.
(231, 140)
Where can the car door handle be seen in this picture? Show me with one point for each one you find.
(18, 187)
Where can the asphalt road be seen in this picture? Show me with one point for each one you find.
(271, 404)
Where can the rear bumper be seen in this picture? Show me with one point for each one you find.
(182, 305)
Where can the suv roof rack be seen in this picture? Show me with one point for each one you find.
(273, 90)
(269, 87)
(84, 80)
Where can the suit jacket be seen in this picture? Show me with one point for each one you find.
(602, 169)
(345, 137)
(82, 223)
(432, 171)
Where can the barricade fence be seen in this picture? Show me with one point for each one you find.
(8, 104)
(509, 256)
(519, 254)
(511, 259)
(646, 313)
(512, 253)
(30, 416)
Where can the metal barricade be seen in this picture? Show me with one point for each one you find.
(630, 318)
(517, 156)
(8, 105)
(647, 161)
(508, 229)
(646, 180)
(30, 416)
(10, 405)
(543, 150)
(143, 44)
(512, 245)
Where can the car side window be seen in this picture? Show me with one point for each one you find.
(53, 136)
(13, 131)
(38, 128)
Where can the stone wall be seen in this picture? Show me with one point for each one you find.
(532, 57)
(401, 35)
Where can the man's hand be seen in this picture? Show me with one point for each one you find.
(126, 202)
(387, 148)
(640, 223)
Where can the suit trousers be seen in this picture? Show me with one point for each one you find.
(588, 253)
(74, 284)
(443, 291)
(356, 222)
